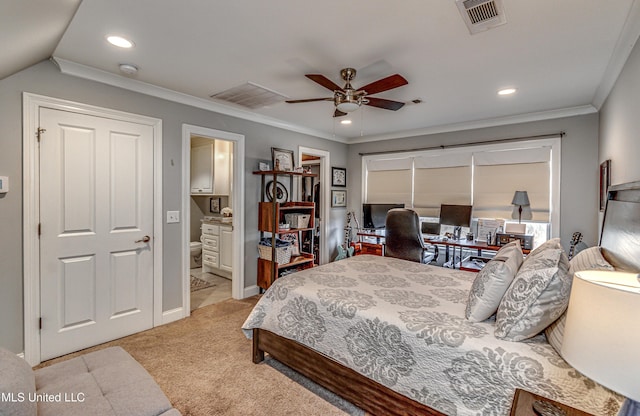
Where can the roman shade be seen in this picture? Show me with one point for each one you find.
(441, 179)
(498, 174)
(389, 181)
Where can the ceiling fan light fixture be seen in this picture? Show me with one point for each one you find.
(348, 106)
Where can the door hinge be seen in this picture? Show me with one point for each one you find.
(40, 323)
(39, 229)
(39, 133)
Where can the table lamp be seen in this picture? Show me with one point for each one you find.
(602, 332)
(521, 204)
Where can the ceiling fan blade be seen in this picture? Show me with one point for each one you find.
(308, 100)
(339, 113)
(385, 84)
(324, 81)
(386, 104)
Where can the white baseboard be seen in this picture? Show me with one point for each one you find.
(172, 315)
(250, 291)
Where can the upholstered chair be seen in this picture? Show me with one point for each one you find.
(403, 239)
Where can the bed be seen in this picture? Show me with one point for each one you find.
(391, 336)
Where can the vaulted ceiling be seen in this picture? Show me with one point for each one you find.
(561, 56)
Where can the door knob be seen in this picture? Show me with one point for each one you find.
(144, 239)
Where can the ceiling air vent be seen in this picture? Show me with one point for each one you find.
(250, 95)
(481, 15)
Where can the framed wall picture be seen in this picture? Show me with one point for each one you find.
(214, 205)
(605, 181)
(282, 159)
(264, 165)
(338, 198)
(338, 176)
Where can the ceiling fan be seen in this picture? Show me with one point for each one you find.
(347, 98)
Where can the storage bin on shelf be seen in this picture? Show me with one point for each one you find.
(297, 220)
(283, 250)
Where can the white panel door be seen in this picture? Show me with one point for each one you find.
(96, 213)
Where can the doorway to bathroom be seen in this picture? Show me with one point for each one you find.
(210, 229)
(318, 161)
(211, 221)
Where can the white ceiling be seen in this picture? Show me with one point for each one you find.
(562, 56)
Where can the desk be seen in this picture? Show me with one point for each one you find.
(462, 244)
(371, 242)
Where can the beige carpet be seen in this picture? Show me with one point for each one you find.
(203, 364)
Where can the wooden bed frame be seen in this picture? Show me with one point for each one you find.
(620, 242)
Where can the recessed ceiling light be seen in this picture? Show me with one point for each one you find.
(507, 91)
(345, 122)
(119, 41)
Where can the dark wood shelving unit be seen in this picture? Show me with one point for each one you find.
(270, 215)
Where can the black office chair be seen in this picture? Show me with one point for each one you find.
(403, 239)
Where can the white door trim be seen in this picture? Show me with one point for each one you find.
(325, 207)
(238, 290)
(31, 104)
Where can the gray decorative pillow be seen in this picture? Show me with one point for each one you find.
(492, 282)
(16, 377)
(538, 295)
(588, 259)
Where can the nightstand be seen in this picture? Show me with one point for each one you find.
(523, 401)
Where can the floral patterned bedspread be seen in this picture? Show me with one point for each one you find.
(402, 324)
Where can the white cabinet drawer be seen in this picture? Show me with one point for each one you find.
(210, 242)
(210, 259)
(210, 229)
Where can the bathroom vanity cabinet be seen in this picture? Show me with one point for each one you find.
(217, 249)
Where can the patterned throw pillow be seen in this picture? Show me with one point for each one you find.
(492, 281)
(588, 259)
(538, 295)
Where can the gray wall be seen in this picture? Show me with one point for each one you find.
(579, 178)
(45, 79)
(620, 123)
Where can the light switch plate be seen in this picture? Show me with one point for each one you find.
(4, 184)
(173, 217)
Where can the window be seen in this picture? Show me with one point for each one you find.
(485, 176)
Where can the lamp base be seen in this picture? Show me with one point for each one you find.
(544, 408)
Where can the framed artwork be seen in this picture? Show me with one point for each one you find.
(338, 176)
(282, 159)
(281, 193)
(338, 198)
(605, 181)
(214, 205)
(264, 165)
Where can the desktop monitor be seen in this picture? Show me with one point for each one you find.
(375, 215)
(456, 215)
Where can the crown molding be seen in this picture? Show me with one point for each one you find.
(93, 74)
(480, 124)
(83, 71)
(627, 40)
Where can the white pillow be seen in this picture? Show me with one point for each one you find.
(492, 282)
(588, 259)
(538, 295)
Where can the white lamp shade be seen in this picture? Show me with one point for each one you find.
(602, 331)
